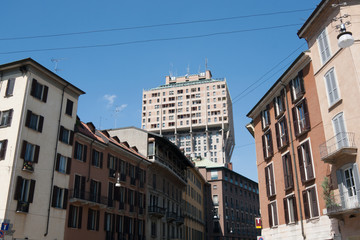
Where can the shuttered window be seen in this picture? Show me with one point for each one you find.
(3, 147)
(324, 47)
(269, 178)
(66, 136)
(24, 193)
(332, 87)
(301, 118)
(297, 88)
(272, 212)
(39, 91)
(282, 137)
(267, 145)
(80, 152)
(288, 173)
(279, 104)
(59, 197)
(310, 203)
(34, 121)
(63, 164)
(305, 162)
(10, 87)
(75, 217)
(93, 219)
(265, 118)
(6, 117)
(290, 210)
(97, 158)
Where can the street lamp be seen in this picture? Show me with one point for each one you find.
(345, 38)
(118, 184)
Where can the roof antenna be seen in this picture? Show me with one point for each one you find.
(206, 66)
(56, 61)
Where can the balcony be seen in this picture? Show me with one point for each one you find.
(346, 203)
(156, 211)
(179, 220)
(28, 166)
(338, 147)
(84, 198)
(22, 207)
(171, 216)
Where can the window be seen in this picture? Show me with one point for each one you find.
(282, 137)
(39, 91)
(66, 136)
(69, 107)
(10, 87)
(63, 164)
(93, 219)
(75, 216)
(97, 158)
(119, 224)
(301, 118)
(3, 146)
(214, 175)
(153, 229)
(324, 47)
(109, 222)
(80, 152)
(30, 154)
(348, 183)
(267, 145)
(305, 162)
(59, 197)
(332, 87)
(297, 88)
(79, 187)
(216, 200)
(341, 135)
(272, 211)
(265, 117)
(5, 118)
(34, 121)
(288, 173)
(310, 203)
(24, 193)
(95, 191)
(112, 165)
(270, 182)
(290, 210)
(279, 104)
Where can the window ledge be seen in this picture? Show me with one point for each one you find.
(335, 104)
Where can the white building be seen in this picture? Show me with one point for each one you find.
(195, 113)
(37, 116)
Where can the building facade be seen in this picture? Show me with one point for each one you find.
(107, 190)
(336, 72)
(235, 204)
(195, 205)
(166, 178)
(195, 113)
(288, 130)
(38, 112)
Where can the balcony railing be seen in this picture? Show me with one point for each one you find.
(87, 197)
(302, 125)
(22, 206)
(28, 166)
(345, 203)
(337, 147)
(179, 220)
(171, 216)
(156, 211)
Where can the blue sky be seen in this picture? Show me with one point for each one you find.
(114, 77)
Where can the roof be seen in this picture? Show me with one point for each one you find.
(312, 17)
(32, 62)
(182, 84)
(276, 83)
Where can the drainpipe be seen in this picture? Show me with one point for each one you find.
(55, 157)
(294, 162)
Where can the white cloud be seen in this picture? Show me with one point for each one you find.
(120, 108)
(110, 99)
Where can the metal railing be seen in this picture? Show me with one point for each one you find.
(88, 196)
(345, 202)
(156, 210)
(338, 142)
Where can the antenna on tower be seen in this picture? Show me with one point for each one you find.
(206, 66)
(56, 61)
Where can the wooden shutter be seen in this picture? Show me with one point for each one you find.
(314, 205)
(295, 209)
(3, 149)
(71, 140)
(282, 96)
(11, 111)
(57, 166)
(286, 212)
(99, 192)
(268, 114)
(101, 159)
(291, 90)
(105, 221)
(290, 171)
(285, 171)
(45, 93)
(270, 144)
(61, 133)
(267, 181)
(270, 215)
(306, 113)
(308, 161)
(117, 229)
(36, 155)
(286, 132)
(80, 216)
(306, 204)
(89, 219)
(97, 220)
(71, 212)
(82, 189)
(301, 163)
(76, 146)
(275, 108)
(32, 190)
(264, 146)
(65, 200)
(23, 150)
(272, 179)
(301, 80)
(108, 160)
(33, 87)
(68, 165)
(41, 123)
(92, 157)
(277, 135)
(28, 118)
(262, 119)
(356, 177)
(84, 153)
(54, 196)
(295, 121)
(19, 183)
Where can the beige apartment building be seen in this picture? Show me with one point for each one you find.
(195, 113)
(38, 112)
(288, 130)
(337, 77)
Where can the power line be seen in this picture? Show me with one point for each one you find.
(151, 40)
(154, 25)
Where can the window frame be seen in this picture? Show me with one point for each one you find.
(307, 172)
(81, 156)
(75, 217)
(36, 87)
(59, 197)
(265, 118)
(288, 171)
(270, 180)
(69, 107)
(93, 219)
(267, 145)
(10, 87)
(282, 136)
(331, 91)
(311, 209)
(279, 100)
(60, 163)
(301, 126)
(66, 139)
(97, 158)
(273, 214)
(5, 120)
(288, 205)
